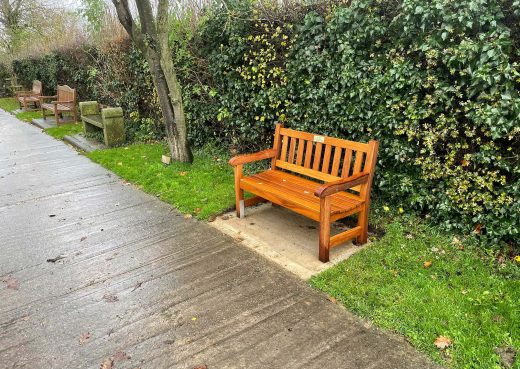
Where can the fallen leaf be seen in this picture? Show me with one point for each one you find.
(107, 364)
(52, 215)
(442, 342)
(332, 299)
(427, 264)
(224, 217)
(477, 229)
(110, 298)
(84, 337)
(55, 259)
(198, 210)
(120, 163)
(120, 356)
(203, 366)
(137, 285)
(188, 216)
(194, 318)
(12, 283)
(182, 174)
(82, 238)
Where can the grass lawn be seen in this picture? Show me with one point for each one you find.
(64, 130)
(470, 298)
(28, 116)
(8, 104)
(202, 189)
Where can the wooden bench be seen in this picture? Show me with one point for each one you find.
(97, 117)
(64, 102)
(322, 178)
(26, 98)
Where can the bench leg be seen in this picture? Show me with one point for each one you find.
(57, 117)
(239, 193)
(324, 229)
(363, 223)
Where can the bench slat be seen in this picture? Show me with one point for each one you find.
(285, 142)
(353, 145)
(301, 147)
(292, 147)
(308, 154)
(347, 159)
(326, 159)
(317, 157)
(336, 161)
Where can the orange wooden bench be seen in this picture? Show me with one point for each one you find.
(64, 102)
(322, 178)
(26, 98)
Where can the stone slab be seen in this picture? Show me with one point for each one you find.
(284, 237)
(83, 143)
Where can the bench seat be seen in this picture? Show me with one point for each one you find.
(95, 120)
(297, 193)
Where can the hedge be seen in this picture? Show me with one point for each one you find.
(436, 82)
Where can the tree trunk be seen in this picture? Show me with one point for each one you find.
(152, 39)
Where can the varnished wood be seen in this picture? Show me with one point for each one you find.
(32, 97)
(301, 147)
(324, 229)
(248, 158)
(336, 161)
(317, 156)
(305, 177)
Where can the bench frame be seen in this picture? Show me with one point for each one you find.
(64, 102)
(27, 97)
(111, 121)
(318, 158)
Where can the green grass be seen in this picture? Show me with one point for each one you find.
(64, 130)
(463, 295)
(28, 116)
(202, 189)
(8, 104)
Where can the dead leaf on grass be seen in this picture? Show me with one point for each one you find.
(427, 264)
(188, 216)
(198, 210)
(11, 283)
(507, 355)
(442, 342)
(84, 337)
(183, 174)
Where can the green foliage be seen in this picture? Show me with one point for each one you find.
(202, 189)
(467, 297)
(93, 11)
(435, 82)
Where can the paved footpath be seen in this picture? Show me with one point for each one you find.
(145, 288)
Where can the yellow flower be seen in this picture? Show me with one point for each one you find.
(401, 210)
(386, 208)
(517, 259)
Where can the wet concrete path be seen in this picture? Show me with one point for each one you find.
(139, 286)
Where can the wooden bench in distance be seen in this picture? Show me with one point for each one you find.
(63, 102)
(30, 98)
(99, 117)
(322, 178)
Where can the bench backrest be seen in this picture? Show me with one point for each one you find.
(324, 158)
(65, 93)
(36, 88)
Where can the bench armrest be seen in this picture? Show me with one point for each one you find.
(23, 93)
(343, 184)
(248, 158)
(62, 102)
